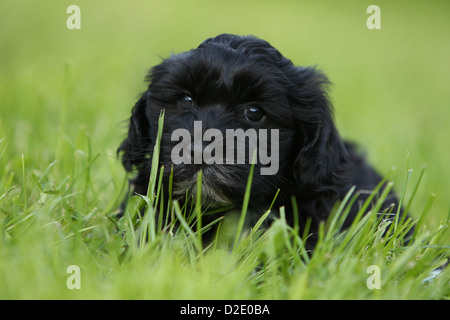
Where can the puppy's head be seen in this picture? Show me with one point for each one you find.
(222, 101)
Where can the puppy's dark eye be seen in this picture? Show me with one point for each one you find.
(188, 99)
(254, 114)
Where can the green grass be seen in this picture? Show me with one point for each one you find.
(65, 94)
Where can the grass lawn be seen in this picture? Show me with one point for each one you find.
(66, 95)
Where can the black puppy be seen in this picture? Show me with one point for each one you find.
(242, 85)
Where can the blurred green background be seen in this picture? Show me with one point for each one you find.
(390, 86)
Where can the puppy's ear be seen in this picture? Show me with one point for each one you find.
(134, 148)
(322, 161)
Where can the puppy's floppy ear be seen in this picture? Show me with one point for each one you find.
(322, 162)
(134, 148)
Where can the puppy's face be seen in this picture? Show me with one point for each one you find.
(229, 99)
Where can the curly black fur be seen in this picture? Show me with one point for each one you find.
(223, 77)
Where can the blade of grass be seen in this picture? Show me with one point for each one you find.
(265, 215)
(198, 208)
(244, 204)
(186, 227)
(155, 159)
(413, 195)
(424, 214)
(333, 225)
